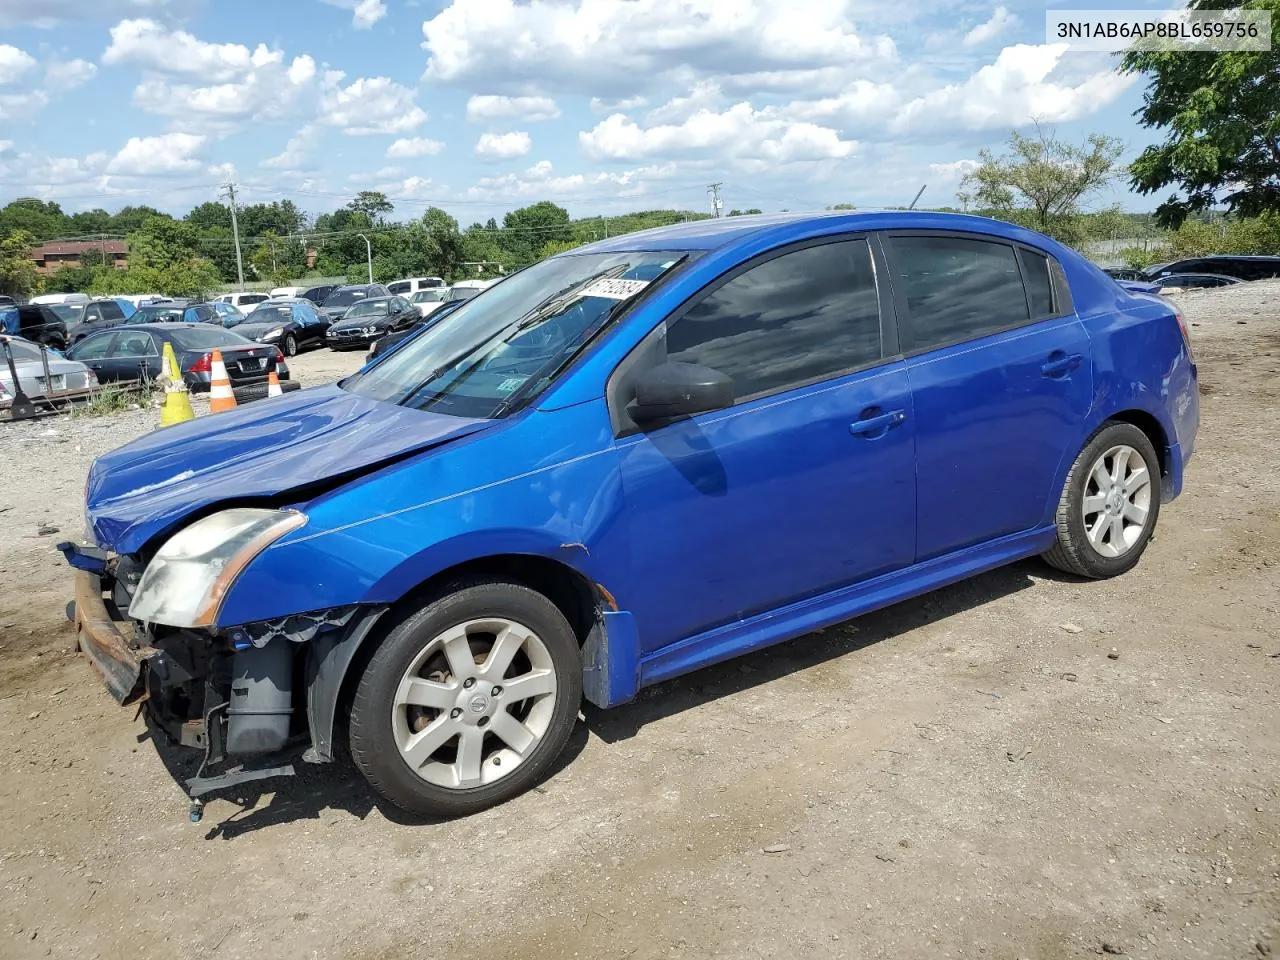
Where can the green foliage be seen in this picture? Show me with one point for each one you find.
(69, 280)
(746, 213)
(278, 259)
(527, 229)
(38, 219)
(1041, 181)
(373, 205)
(552, 247)
(839, 206)
(164, 257)
(1220, 116)
(1139, 258)
(18, 276)
(111, 398)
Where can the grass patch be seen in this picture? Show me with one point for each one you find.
(110, 399)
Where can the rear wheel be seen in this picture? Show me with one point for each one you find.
(468, 701)
(290, 345)
(1109, 504)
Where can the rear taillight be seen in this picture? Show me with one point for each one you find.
(1186, 332)
(279, 357)
(203, 365)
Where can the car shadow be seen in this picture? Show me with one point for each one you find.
(764, 666)
(337, 786)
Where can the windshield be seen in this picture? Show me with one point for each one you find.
(159, 315)
(429, 296)
(344, 298)
(271, 313)
(507, 346)
(22, 350)
(70, 312)
(371, 308)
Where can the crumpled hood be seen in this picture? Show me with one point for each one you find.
(254, 330)
(259, 450)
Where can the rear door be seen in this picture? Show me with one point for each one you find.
(1001, 383)
(807, 482)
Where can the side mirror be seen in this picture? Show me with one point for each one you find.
(675, 389)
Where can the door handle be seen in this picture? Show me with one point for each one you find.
(1059, 364)
(873, 424)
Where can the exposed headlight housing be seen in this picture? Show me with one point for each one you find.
(272, 334)
(188, 578)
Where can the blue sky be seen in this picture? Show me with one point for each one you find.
(479, 106)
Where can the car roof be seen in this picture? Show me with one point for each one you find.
(282, 300)
(1214, 276)
(715, 233)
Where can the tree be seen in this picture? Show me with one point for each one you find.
(744, 213)
(39, 219)
(1220, 114)
(89, 221)
(129, 219)
(374, 205)
(18, 276)
(278, 259)
(1041, 180)
(210, 215)
(527, 229)
(164, 257)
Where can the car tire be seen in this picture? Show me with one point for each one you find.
(290, 345)
(438, 682)
(1109, 505)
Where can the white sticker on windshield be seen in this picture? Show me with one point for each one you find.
(615, 289)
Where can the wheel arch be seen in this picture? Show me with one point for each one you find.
(1149, 424)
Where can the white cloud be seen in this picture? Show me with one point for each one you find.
(69, 74)
(6, 146)
(1012, 91)
(46, 14)
(408, 147)
(297, 151)
(364, 13)
(740, 132)
(1001, 20)
(22, 106)
(369, 106)
(503, 146)
(199, 84)
(705, 95)
(599, 105)
(481, 109)
(14, 63)
(620, 46)
(953, 171)
(164, 154)
(541, 180)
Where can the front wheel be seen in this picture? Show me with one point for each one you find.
(290, 345)
(468, 701)
(1109, 504)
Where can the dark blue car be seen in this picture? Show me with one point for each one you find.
(622, 464)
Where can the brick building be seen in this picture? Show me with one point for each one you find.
(56, 254)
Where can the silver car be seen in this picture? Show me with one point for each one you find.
(67, 379)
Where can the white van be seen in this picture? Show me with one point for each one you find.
(466, 289)
(411, 285)
(52, 299)
(241, 299)
(287, 292)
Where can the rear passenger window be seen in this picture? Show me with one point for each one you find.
(794, 319)
(956, 289)
(1035, 272)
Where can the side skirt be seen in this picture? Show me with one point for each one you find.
(797, 619)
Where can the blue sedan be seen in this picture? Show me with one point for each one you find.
(617, 466)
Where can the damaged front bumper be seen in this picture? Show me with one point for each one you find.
(248, 699)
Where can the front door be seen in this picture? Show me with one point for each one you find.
(1001, 381)
(806, 483)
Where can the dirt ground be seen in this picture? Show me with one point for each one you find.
(1020, 766)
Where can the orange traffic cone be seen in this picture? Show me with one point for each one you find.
(273, 385)
(221, 396)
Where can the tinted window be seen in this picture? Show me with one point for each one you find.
(1035, 268)
(206, 338)
(91, 348)
(133, 343)
(401, 305)
(797, 318)
(253, 298)
(111, 310)
(21, 350)
(956, 288)
(370, 308)
(401, 287)
(344, 298)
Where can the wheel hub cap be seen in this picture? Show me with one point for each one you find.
(1117, 501)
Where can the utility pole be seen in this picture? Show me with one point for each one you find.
(917, 197)
(368, 249)
(713, 191)
(235, 231)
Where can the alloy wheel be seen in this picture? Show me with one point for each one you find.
(1117, 501)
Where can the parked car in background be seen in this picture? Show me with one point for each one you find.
(466, 289)
(133, 352)
(318, 294)
(279, 293)
(141, 299)
(35, 322)
(625, 463)
(343, 298)
(289, 323)
(412, 285)
(63, 377)
(174, 311)
(240, 299)
(83, 319)
(385, 343)
(1174, 282)
(1228, 265)
(7, 301)
(1123, 273)
(428, 301)
(370, 319)
(50, 299)
(228, 314)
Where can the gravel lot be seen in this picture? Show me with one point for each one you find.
(1018, 766)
